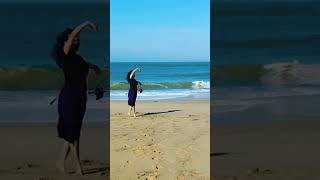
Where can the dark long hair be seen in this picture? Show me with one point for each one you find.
(57, 52)
(128, 76)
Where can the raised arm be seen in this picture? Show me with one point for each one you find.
(134, 71)
(75, 33)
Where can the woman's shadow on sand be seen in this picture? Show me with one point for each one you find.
(161, 112)
(102, 170)
(219, 154)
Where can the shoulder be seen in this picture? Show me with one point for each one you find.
(78, 56)
(80, 59)
(132, 80)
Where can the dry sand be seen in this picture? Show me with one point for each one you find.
(287, 150)
(30, 153)
(167, 140)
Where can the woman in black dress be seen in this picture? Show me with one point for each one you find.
(133, 91)
(73, 95)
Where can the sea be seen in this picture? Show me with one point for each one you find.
(265, 60)
(162, 80)
(29, 78)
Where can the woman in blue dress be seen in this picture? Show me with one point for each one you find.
(133, 91)
(73, 95)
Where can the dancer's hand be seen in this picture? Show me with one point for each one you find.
(92, 26)
(96, 69)
(76, 33)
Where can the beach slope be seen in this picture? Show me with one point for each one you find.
(167, 140)
(30, 153)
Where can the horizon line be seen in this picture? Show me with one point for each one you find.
(157, 60)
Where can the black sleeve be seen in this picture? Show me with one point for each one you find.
(60, 58)
(130, 81)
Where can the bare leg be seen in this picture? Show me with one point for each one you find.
(134, 111)
(75, 148)
(61, 163)
(129, 111)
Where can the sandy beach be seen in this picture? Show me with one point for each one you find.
(167, 140)
(277, 150)
(30, 153)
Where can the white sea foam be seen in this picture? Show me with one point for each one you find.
(201, 84)
(162, 94)
(293, 73)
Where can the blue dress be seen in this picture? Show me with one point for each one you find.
(133, 91)
(72, 97)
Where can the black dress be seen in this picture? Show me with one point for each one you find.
(133, 91)
(72, 97)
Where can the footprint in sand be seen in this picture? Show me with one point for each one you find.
(148, 151)
(184, 152)
(24, 166)
(154, 158)
(192, 173)
(126, 164)
(122, 148)
(118, 114)
(157, 167)
(148, 175)
(45, 178)
(259, 171)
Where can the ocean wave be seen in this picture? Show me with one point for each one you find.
(292, 74)
(39, 78)
(164, 85)
(201, 84)
(275, 74)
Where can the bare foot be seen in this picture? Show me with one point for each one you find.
(134, 115)
(80, 171)
(129, 114)
(60, 167)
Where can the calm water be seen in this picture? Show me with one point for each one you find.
(266, 60)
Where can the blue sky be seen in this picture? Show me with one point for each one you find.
(51, 1)
(160, 30)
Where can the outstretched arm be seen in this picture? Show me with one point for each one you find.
(75, 33)
(134, 71)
